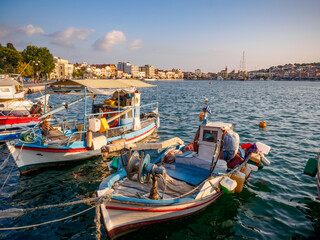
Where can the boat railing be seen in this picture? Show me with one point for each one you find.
(74, 133)
(102, 113)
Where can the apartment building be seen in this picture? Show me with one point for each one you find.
(149, 71)
(63, 69)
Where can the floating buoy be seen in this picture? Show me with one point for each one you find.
(262, 124)
(201, 116)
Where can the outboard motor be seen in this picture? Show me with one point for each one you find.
(36, 108)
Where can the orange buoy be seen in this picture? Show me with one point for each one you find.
(262, 124)
(201, 116)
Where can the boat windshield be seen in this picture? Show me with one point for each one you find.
(210, 136)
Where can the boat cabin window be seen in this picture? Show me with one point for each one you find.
(5, 89)
(210, 136)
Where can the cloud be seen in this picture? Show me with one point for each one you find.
(7, 30)
(136, 44)
(107, 42)
(30, 30)
(67, 37)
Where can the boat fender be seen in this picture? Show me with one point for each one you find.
(201, 116)
(89, 139)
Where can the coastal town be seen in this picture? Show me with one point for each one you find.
(40, 65)
(65, 70)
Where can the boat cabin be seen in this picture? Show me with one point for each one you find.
(210, 136)
(10, 89)
(210, 139)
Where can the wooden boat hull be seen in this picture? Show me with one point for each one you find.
(35, 156)
(120, 218)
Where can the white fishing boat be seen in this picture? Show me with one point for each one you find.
(118, 119)
(189, 184)
(16, 112)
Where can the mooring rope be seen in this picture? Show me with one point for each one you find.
(10, 169)
(4, 163)
(98, 201)
(40, 224)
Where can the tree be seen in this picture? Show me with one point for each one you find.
(78, 73)
(9, 59)
(40, 58)
(27, 69)
(10, 45)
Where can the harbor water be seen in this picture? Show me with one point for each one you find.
(278, 202)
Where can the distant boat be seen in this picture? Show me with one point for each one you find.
(149, 79)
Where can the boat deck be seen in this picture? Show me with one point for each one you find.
(187, 173)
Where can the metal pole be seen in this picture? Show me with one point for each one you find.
(85, 111)
(45, 98)
(118, 106)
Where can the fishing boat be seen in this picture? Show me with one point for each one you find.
(120, 118)
(16, 112)
(312, 169)
(147, 187)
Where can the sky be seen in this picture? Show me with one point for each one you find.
(205, 34)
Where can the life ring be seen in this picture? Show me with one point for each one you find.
(115, 122)
(195, 140)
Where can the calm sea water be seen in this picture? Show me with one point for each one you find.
(279, 202)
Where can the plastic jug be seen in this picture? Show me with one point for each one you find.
(104, 126)
(252, 167)
(265, 160)
(255, 157)
(94, 124)
(239, 177)
(228, 185)
(263, 148)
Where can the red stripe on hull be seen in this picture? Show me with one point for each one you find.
(130, 139)
(4, 120)
(116, 232)
(160, 210)
(73, 150)
(53, 150)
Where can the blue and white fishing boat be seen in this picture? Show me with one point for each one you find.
(118, 119)
(190, 183)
